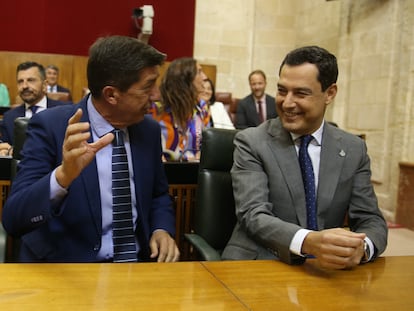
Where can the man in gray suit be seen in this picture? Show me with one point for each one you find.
(258, 106)
(271, 205)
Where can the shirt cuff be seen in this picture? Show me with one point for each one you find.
(297, 241)
(57, 192)
(371, 248)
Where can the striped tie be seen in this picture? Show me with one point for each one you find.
(308, 182)
(122, 226)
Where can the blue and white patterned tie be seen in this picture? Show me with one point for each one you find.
(122, 226)
(308, 182)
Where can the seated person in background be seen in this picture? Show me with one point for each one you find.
(52, 77)
(31, 87)
(290, 208)
(219, 116)
(258, 106)
(4, 96)
(69, 201)
(181, 116)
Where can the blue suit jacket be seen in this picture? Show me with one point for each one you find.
(247, 116)
(60, 88)
(71, 231)
(6, 127)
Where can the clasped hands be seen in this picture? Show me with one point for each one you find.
(335, 248)
(77, 153)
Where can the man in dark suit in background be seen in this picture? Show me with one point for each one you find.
(52, 77)
(31, 87)
(281, 216)
(62, 199)
(258, 106)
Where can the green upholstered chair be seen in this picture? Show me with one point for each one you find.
(214, 214)
(19, 136)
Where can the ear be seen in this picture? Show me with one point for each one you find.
(44, 86)
(330, 93)
(110, 94)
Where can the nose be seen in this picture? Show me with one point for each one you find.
(203, 75)
(288, 100)
(23, 84)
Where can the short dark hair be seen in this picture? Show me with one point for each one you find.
(28, 65)
(321, 58)
(118, 61)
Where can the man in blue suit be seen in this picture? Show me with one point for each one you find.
(61, 199)
(31, 86)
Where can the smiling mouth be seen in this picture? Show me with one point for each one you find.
(290, 114)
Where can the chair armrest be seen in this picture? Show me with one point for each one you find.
(3, 239)
(206, 251)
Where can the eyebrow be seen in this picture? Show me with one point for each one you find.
(296, 89)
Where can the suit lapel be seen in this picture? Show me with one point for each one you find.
(253, 110)
(270, 107)
(333, 154)
(284, 151)
(136, 151)
(91, 182)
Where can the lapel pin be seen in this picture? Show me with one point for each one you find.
(342, 153)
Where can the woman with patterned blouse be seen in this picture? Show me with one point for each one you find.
(181, 115)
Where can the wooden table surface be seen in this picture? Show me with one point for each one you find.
(386, 284)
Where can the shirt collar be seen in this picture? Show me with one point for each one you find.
(317, 135)
(261, 99)
(41, 104)
(99, 125)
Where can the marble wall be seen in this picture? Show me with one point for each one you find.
(374, 43)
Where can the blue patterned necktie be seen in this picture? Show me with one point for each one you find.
(308, 182)
(122, 226)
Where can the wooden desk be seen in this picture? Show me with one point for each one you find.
(173, 286)
(386, 284)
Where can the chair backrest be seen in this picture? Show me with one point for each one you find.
(19, 136)
(215, 211)
(61, 96)
(233, 109)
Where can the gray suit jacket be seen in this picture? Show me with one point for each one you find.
(270, 198)
(246, 115)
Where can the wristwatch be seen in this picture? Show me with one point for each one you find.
(365, 258)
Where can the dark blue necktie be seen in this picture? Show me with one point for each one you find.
(308, 182)
(33, 109)
(123, 231)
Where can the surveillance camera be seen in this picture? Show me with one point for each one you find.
(147, 11)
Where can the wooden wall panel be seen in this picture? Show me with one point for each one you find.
(405, 205)
(79, 79)
(72, 70)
